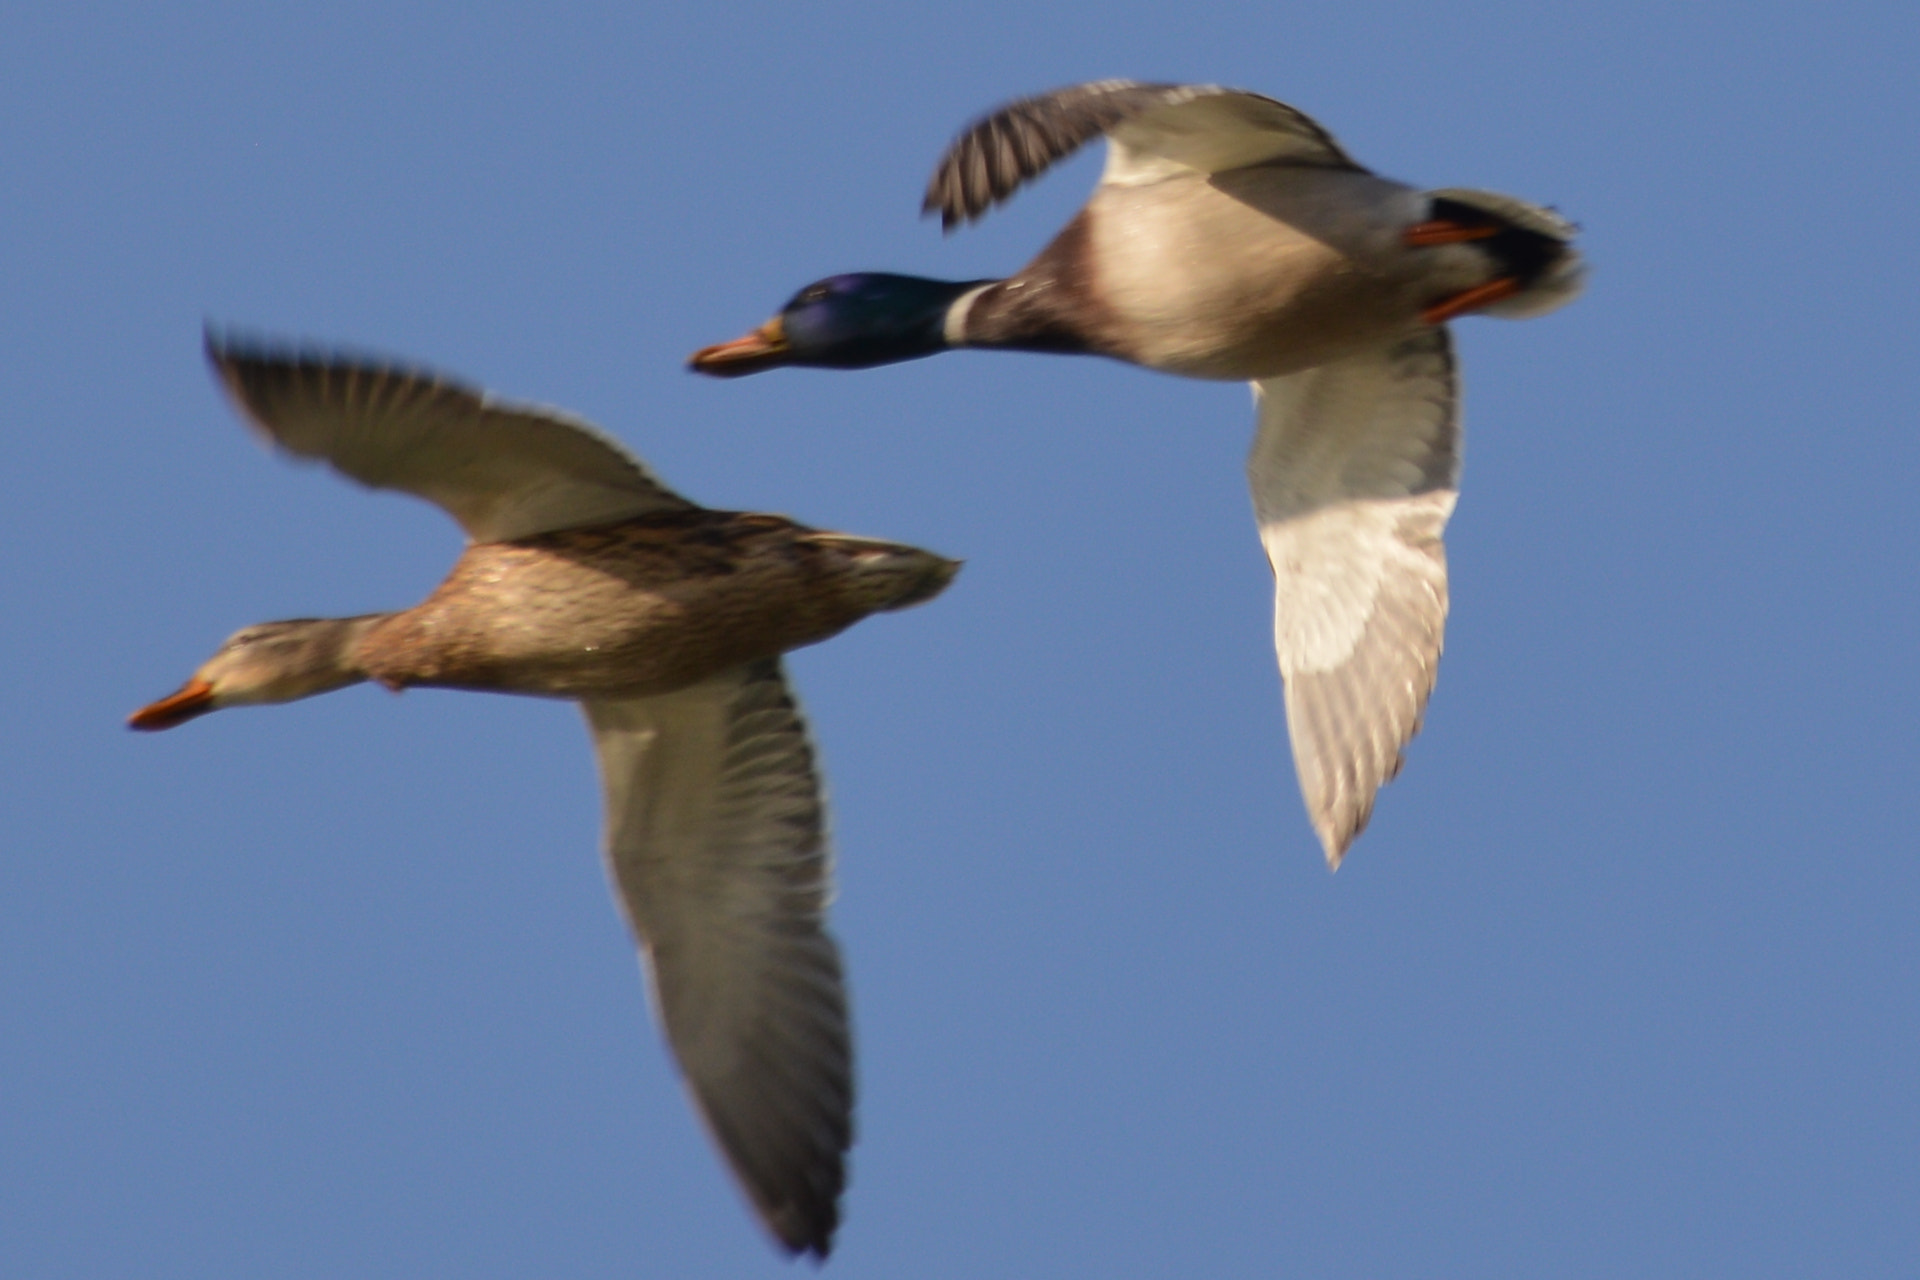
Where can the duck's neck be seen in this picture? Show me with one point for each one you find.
(869, 318)
(895, 318)
(1049, 305)
(1026, 312)
(318, 655)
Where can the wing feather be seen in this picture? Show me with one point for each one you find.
(501, 470)
(1153, 129)
(1355, 468)
(716, 843)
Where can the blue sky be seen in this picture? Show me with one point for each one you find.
(1621, 981)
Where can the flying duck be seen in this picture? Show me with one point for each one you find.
(585, 578)
(1231, 237)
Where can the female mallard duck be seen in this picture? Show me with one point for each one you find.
(1231, 237)
(585, 578)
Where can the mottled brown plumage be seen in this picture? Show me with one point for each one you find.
(587, 579)
(631, 609)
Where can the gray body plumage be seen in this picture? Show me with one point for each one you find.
(1230, 236)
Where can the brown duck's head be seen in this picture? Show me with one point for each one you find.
(268, 662)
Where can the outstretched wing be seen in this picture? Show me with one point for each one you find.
(1354, 470)
(1152, 129)
(503, 471)
(717, 846)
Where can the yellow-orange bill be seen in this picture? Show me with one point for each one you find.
(194, 698)
(762, 349)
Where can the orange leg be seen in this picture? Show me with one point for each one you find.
(1422, 235)
(1471, 299)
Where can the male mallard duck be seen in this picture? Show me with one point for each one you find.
(1231, 237)
(585, 578)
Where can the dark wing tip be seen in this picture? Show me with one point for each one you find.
(257, 370)
(806, 1231)
(1001, 151)
(239, 358)
(935, 201)
(238, 348)
(794, 1181)
(236, 352)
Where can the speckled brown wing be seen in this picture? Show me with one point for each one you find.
(503, 471)
(716, 843)
(1152, 128)
(1354, 471)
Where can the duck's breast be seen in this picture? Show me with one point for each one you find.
(1255, 272)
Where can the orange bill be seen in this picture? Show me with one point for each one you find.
(194, 698)
(764, 348)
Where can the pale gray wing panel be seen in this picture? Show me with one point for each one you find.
(717, 846)
(501, 470)
(1354, 471)
(1196, 126)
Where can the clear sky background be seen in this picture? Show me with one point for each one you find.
(1621, 982)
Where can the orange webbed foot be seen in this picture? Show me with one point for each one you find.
(1424, 235)
(1471, 299)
